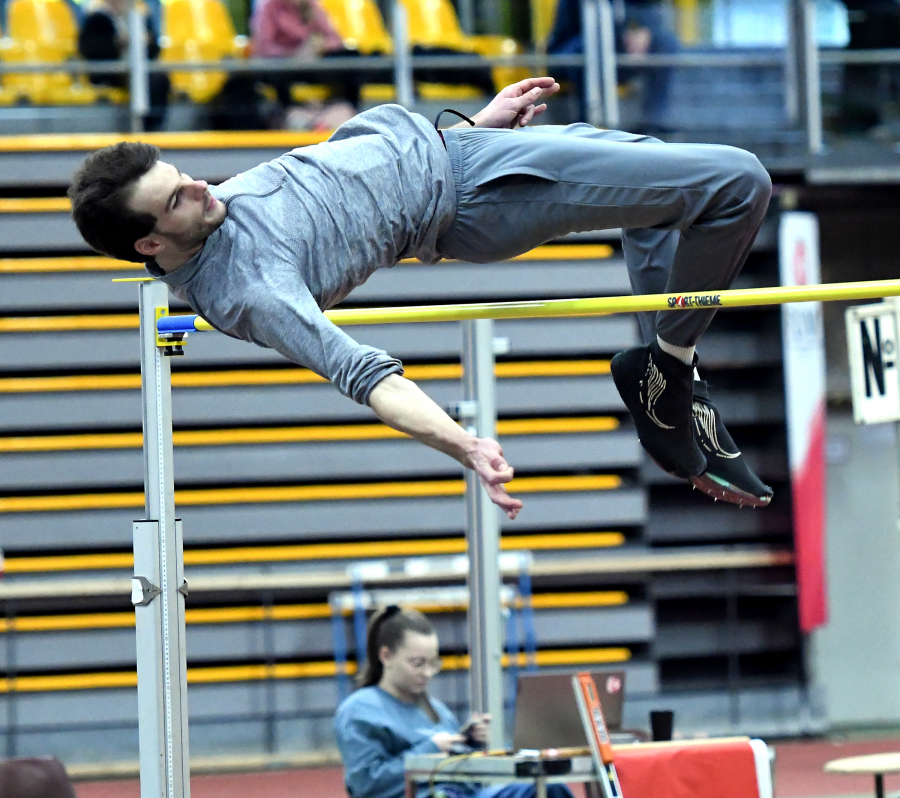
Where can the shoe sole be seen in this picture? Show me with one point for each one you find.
(720, 489)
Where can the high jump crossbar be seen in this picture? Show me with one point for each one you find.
(595, 306)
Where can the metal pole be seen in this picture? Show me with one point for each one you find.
(403, 73)
(158, 586)
(791, 65)
(12, 708)
(812, 79)
(137, 62)
(467, 16)
(608, 58)
(483, 534)
(593, 99)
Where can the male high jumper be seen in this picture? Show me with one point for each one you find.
(262, 255)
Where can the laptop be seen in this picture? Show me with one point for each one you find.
(547, 714)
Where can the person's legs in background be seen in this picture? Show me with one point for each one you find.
(523, 790)
(345, 85)
(657, 80)
(158, 96)
(480, 77)
(573, 76)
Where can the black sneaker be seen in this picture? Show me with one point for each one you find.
(727, 475)
(657, 390)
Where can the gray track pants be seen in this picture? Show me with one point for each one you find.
(689, 212)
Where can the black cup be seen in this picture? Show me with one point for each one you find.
(661, 723)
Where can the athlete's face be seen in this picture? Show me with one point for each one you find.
(410, 667)
(185, 212)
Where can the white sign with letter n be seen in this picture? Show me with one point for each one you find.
(872, 347)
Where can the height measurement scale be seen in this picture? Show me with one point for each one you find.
(158, 586)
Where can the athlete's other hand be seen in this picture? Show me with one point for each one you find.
(486, 460)
(518, 104)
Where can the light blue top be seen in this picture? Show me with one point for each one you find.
(375, 731)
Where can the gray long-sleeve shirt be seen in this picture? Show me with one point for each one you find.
(304, 230)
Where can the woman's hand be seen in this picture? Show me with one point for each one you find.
(478, 728)
(516, 105)
(446, 740)
(313, 47)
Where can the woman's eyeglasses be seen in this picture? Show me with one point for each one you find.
(425, 664)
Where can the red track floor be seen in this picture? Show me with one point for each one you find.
(798, 774)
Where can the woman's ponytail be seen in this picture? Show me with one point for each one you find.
(387, 627)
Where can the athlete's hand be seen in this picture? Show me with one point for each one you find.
(518, 104)
(486, 460)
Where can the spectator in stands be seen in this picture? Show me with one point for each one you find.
(392, 715)
(301, 29)
(104, 37)
(641, 30)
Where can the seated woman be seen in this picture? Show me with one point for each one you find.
(301, 29)
(392, 715)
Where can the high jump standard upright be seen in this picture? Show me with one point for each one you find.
(158, 588)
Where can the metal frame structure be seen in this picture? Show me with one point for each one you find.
(483, 535)
(159, 587)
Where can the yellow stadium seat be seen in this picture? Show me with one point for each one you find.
(199, 30)
(543, 15)
(42, 32)
(378, 93)
(309, 93)
(8, 95)
(360, 25)
(433, 23)
(500, 45)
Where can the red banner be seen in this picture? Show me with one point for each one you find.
(804, 389)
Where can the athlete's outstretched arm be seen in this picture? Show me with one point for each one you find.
(516, 105)
(401, 404)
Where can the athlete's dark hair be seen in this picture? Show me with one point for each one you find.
(387, 627)
(100, 192)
